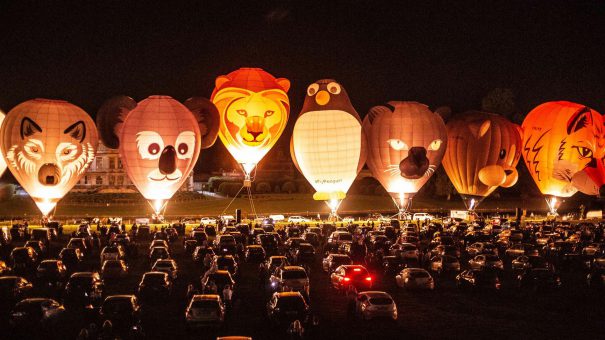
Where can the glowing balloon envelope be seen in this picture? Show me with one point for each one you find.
(254, 108)
(159, 140)
(483, 150)
(560, 140)
(328, 144)
(2, 161)
(406, 142)
(48, 145)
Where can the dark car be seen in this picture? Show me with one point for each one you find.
(538, 279)
(220, 278)
(268, 242)
(79, 243)
(158, 253)
(121, 310)
(13, 289)
(190, 246)
(333, 261)
(255, 253)
(36, 315)
(83, 289)
(285, 307)
(311, 238)
(52, 273)
(24, 259)
(305, 253)
(225, 262)
(38, 246)
(113, 270)
(524, 262)
(154, 287)
(478, 279)
(72, 258)
(5, 269)
(200, 252)
(351, 276)
(392, 265)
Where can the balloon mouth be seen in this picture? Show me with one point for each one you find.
(165, 178)
(49, 174)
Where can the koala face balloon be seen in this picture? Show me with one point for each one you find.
(47, 145)
(159, 139)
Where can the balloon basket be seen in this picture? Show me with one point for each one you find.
(553, 205)
(403, 202)
(472, 202)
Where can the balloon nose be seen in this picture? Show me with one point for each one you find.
(415, 164)
(49, 174)
(167, 162)
(322, 98)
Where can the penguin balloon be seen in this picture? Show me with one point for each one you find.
(328, 144)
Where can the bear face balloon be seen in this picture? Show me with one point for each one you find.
(254, 109)
(564, 148)
(159, 139)
(483, 150)
(48, 145)
(406, 142)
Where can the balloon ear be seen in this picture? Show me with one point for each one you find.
(377, 111)
(110, 117)
(77, 131)
(29, 127)
(220, 80)
(579, 120)
(284, 83)
(479, 129)
(207, 117)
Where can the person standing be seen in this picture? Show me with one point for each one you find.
(227, 296)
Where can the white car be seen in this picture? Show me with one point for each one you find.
(373, 304)
(348, 219)
(227, 218)
(298, 219)
(423, 217)
(415, 278)
(207, 220)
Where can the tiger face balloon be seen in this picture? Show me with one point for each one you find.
(48, 145)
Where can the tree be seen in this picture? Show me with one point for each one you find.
(500, 101)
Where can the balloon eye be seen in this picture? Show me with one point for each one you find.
(502, 153)
(435, 145)
(269, 113)
(34, 149)
(584, 152)
(154, 148)
(183, 148)
(312, 89)
(242, 113)
(334, 88)
(397, 144)
(66, 151)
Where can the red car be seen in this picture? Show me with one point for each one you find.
(346, 276)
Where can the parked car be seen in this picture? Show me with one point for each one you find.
(374, 304)
(225, 262)
(255, 253)
(523, 263)
(52, 272)
(411, 278)
(167, 266)
(158, 253)
(13, 289)
(122, 311)
(83, 289)
(72, 258)
(538, 279)
(114, 269)
(205, 310)
(39, 246)
(36, 315)
(477, 279)
(443, 264)
(486, 262)
(351, 276)
(220, 279)
(333, 261)
(285, 307)
(406, 251)
(23, 259)
(207, 220)
(423, 217)
(293, 277)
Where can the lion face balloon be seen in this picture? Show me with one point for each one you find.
(406, 142)
(563, 143)
(483, 150)
(159, 140)
(254, 109)
(47, 145)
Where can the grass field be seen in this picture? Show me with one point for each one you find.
(300, 204)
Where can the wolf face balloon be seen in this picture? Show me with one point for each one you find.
(47, 145)
(254, 109)
(159, 140)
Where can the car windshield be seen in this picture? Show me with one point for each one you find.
(111, 249)
(294, 274)
(81, 281)
(224, 261)
(48, 265)
(117, 306)
(291, 303)
(154, 279)
(113, 264)
(381, 301)
(220, 279)
(277, 261)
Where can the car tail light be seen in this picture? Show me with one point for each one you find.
(369, 278)
(356, 269)
(347, 279)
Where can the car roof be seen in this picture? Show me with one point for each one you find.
(287, 294)
(415, 270)
(376, 293)
(155, 274)
(119, 297)
(198, 297)
(83, 274)
(293, 268)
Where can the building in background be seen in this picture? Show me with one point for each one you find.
(106, 175)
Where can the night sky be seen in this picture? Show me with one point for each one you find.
(439, 53)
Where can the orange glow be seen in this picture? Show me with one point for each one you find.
(47, 146)
(561, 139)
(254, 108)
(483, 150)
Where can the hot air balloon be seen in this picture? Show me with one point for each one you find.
(328, 145)
(254, 108)
(159, 140)
(483, 150)
(2, 161)
(560, 140)
(406, 142)
(48, 145)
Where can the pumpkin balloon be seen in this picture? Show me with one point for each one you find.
(254, 108)
(159, 140)
(562, 139)
(48, 145)
(406, 142)
(483, 150)
(328, 144)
